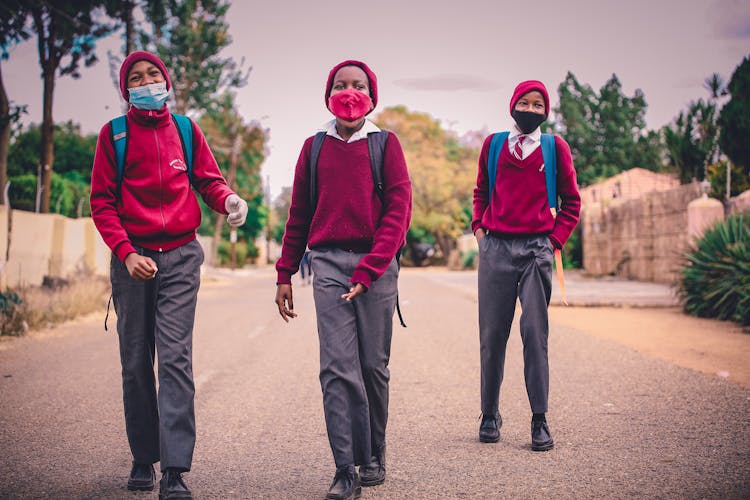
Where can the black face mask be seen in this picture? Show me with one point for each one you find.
(527, 121)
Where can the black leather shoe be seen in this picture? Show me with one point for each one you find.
(373, 473)
(541, 439)
(141, 477)
(345, 485)
(172, 486)
(489, 429)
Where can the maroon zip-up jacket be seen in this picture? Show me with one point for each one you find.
(349, 214)
(519, 205)
(155, 209)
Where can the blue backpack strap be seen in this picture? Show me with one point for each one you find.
(549, 154)
(496, 145)
(185, 128)
(119, 134)
(312, 171)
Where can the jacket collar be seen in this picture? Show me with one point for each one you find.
(150, 118)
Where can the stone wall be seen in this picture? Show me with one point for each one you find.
(641, 239)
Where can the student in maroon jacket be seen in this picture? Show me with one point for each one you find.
(353, 240)
(517, 233)
(149, 222)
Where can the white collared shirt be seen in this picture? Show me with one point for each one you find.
(367, 128)
(529, 144)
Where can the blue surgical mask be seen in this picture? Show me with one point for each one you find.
(152, 96)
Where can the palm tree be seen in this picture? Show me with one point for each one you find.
(716, 86)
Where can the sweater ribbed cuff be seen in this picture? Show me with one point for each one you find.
(124, 250)
(283, 278)
(555, 242)
(360, 276)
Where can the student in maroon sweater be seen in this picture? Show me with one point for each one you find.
(353, 239)
(149, 220)
(517, 233)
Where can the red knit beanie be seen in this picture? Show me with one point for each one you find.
(370, 76)
(524, 88)
(134, 57)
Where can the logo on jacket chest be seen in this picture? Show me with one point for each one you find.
(178, 164)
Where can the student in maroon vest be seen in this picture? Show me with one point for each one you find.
(517, 234)
(353, 239)
(149, 220)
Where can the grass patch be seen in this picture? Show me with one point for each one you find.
(35, 308)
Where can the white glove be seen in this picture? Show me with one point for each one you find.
(237, 209)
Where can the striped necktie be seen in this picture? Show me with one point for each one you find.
(517, 150)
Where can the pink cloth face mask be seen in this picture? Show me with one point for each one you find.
(350, 104)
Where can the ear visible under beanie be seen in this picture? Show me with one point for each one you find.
(134, 57)
(373, 80)
(524, 88)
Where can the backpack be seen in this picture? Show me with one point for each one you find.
(119, 131)
(549, 156)
(376, 145)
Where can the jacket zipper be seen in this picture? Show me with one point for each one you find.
(161, 185)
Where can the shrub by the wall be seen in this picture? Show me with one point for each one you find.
(715, 282)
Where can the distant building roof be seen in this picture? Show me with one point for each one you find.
(628, 185)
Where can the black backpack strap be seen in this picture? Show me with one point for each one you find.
(313, 168)
(376, 145)
(398, 306)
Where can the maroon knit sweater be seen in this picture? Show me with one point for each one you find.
(519, 205)
(349, 214)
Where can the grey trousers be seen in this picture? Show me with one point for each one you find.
(509, 269)
(355, 346)
(158, 315)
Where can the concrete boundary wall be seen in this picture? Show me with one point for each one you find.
(640, 239)
(50, 245)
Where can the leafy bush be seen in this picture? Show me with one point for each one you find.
(715, 282)
(69, 197)
(11, 320)
(225, 253)
(469, 259)
(573, 250)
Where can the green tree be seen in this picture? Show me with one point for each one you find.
(717, 176)
(280, 213)
(442, 171)
(188, 36)
(74, 157)
(690, 140)
(606, 131)
(13, 29)
(74, 151)
(122, 11)
(240, 149)
(735, 118)
(66, 34)
(67, 196)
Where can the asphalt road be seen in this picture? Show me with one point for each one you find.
(625, 424)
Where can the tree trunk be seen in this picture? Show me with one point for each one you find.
(48, 146)
(446, 245)
(5, 124)
(48, 60)
(236, 145)
(220, 218)
(127, 19)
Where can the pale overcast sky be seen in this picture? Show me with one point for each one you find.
(456, 60)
